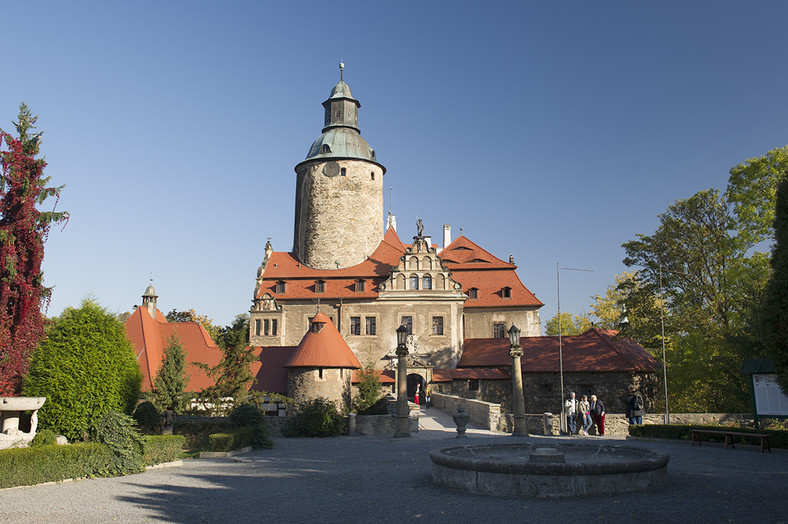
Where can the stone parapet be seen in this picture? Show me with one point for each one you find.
(484, 414)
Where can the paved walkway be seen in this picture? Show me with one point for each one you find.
(382, 479)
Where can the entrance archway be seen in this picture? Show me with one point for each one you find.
(414, 379)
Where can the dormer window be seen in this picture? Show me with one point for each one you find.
(359, 286)
(507, 292)
(325, 149)
(320, 286)
(281, 285)
(473, 293)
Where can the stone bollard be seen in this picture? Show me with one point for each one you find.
(547, 421)
(351, 424)
(461, 419)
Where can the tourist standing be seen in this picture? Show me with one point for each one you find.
(585, 411)
(598, 413)
(570, 409)
(427, 393)
(638, 407)
(416, 396)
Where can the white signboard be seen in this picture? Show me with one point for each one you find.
(769, 397)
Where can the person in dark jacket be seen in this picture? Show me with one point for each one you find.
(598, 414)
(636, 408)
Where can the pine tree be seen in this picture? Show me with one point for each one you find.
(775, 305)
(23, 230)
(171, 379)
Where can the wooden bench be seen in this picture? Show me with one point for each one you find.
(729, 437)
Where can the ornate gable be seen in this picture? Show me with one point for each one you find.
(420, 271)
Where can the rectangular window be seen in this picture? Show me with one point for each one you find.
(437, 325)
(414, 282)
(372, 328)
(499, 331)
(266, 325)
(359, 286)
(273, 327)
(408, 323)
(257, 328)
(320, 286)
(473, 384)
(355, 325)
(280, 286)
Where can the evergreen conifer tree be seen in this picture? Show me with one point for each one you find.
(171, 379)
(23, 229)
(775, 305)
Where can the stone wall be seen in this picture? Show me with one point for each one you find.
(479, 321)
(305, 384)
(372, 425)
(484, 414)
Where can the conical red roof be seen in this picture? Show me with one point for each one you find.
(323, 347)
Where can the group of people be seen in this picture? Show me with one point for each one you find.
(589, 412)
(425, 395)
(592, 412)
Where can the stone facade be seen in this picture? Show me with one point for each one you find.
(339, 219)
(305, 384)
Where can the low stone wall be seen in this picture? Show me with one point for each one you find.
(372, 425)
(484, 414)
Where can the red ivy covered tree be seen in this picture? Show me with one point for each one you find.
(23, 230)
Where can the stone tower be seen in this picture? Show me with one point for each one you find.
(339, 191)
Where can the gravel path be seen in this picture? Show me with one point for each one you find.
(381, 479)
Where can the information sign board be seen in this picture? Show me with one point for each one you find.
(769, 397)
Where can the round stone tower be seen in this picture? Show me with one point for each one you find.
(339, 191)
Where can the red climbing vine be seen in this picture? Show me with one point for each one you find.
(23, 230)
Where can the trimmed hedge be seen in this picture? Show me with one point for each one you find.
(777, 438)
(28, 466)
(235, 439)
(158, 449)
(197, 433)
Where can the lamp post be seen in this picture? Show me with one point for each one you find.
(518, 399)
(402, 384)
(664, 359)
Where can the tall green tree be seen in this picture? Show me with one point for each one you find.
(775, 304)
(752, 190)
(233, 375)
(570, 324)
(23, 230)
(169, 386)
(86, 367)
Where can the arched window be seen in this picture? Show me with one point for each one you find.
(426, 282)
(325, 149)
(400, 281)
(427, 263)
(414, 282)
(413, 263)
(441, 283)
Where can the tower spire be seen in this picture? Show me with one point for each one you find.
(341, 70)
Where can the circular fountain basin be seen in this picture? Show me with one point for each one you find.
(531, 470)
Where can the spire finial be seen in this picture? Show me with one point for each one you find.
(341, 69)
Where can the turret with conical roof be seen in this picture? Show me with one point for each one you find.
(149, 299)
(339, 190)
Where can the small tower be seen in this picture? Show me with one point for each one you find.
(339, 191)
(322, 365)
(149, 299)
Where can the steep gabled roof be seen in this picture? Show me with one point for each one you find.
(595, 350)
(475, 268)
(151, 335)
(323, 347)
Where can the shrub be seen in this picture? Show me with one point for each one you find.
(86, 367)
(777, 438)
(248, 416)
(197, 432)
(45, 437)
(381, 407)
(148, 417)
(119, 433)
(29, 466)
(230, 440)
(316, 418)
(158, 449)
(369, 390)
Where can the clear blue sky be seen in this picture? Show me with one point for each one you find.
(554, 131)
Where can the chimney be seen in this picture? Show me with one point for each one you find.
(446, 235)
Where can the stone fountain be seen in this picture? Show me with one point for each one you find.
(561, 470)
(11, 409)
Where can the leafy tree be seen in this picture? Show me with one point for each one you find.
(369, 389)
(192, 316)
(23, 230)
(233, 375)
(775, 304)
(609, 308)
(570, 324)
(752, 189)
(170, 382)
(86, 367)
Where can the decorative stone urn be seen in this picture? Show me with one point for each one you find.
(11, 409)
(461, 419)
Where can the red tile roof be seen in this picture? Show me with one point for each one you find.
(595, 350)
(270, 370)
(471, 266)
(323, 349)
(474, 267)
(150, 336)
